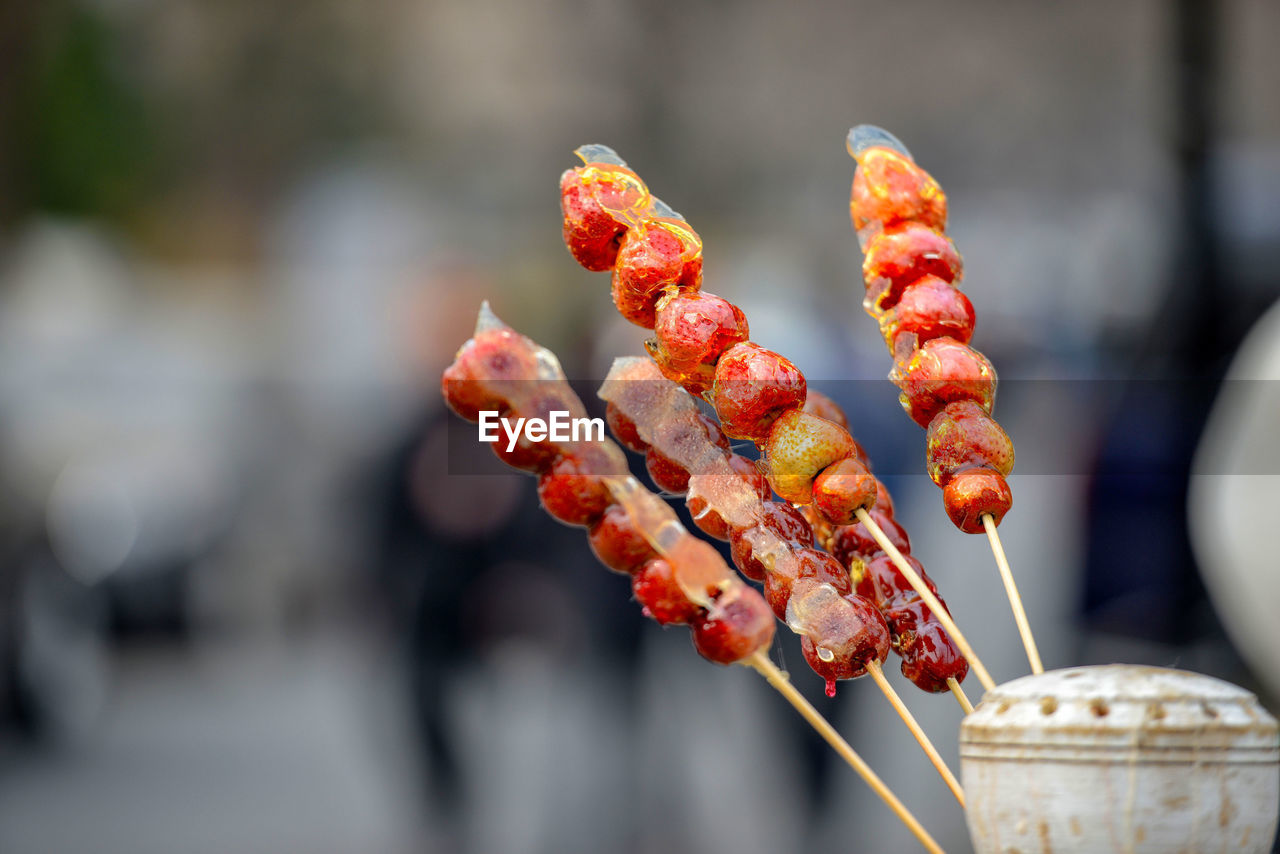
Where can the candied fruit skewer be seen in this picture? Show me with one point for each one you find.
(678, 577)
(843, 634)
(911, 269)
(636, 532)
(611, 218)
(756, 393)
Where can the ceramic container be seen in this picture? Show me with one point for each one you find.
(1120, 758)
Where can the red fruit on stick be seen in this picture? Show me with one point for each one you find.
(930, 308)
(799, 564)
(889, 188)
(656, 257)
(779, 521)
(843, 488)
(974, 493)
(902, 255)
(599, 202)
(733, 627)
(799, 446)
(572, 489)
(692, 330)
(616, 542)
(942, 371)
(963, 436)
(844, 637)
(752, 387)
(663, 599)
(708, 518)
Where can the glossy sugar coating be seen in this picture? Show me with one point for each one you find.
(694, 427)
(902, 255)
(657, 257)
(799, 446)
(624, 429)
(929, 658)
(707, 518)
(929, 308)
(940, 372)
(809, 564)
(778, 524)
(692, 330)
(889, 188)
(599, 202)
(752, 387)
(974, 493)
(963, 436)
(843, 632)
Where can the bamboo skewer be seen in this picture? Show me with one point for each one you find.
(912, 724)
(766, 668)
(960, 695)
(1015, 600)
(914, 579)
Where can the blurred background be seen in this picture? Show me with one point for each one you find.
(259, 592)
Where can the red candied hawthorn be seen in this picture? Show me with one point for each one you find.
(854, 542)
(662, 598)
(840, 642)
(799, 446)
(929, 658)
(809, 565)
(752, 387)
(888, 188)
(624, 429)
(779, 519)
(963, 436)
(711, 521)
(573, 489)
(930, 308)
(735, 626)
(940, 372)
(616, 542)
(975, 493)
(489, 369)
(668, 474)
(817, 403)
(902, 255)
(599, 201)
(843, 488)
(656, 255)
(691, 331)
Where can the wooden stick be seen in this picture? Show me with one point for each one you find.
(914, 579)
(959, 694)
(1015, 600)
(912, 724)
(761, 663)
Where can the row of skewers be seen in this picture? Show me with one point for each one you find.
(835, 564)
